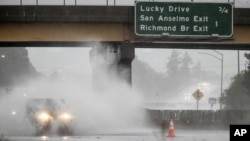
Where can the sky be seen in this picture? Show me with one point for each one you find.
(76, 59)
(56, 58)
(71, 59)
(230, 59)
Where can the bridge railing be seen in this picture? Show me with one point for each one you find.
(237, 3)
(57, 2)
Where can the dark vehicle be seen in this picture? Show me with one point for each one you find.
(46, 113)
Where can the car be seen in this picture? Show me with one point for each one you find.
(45, 113)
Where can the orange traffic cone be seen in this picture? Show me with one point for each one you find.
(171, 132)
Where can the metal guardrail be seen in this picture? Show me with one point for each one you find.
(237, 3)
(58, 2)
(121, 14)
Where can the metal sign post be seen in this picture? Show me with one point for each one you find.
(212, 101)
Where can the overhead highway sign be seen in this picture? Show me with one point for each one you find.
(183, 19)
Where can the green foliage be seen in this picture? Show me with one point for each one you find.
(238, 94)
(173, 65)
(15, 67)
(185, 70)
(246, 81)
(186, 62)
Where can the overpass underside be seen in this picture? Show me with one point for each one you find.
(82, 25)
(78, 32)
(103, 32)
(84, 34)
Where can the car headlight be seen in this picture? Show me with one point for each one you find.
(65, 117)
(43, 116)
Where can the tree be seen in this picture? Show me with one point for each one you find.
(246, 81)
(15, 67)
(172, 83)
(236, 96)
(173, 65)
(238, 93)
(185, 67)
(196, 71)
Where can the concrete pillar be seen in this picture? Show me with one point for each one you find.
(111, 62)
(127, 54)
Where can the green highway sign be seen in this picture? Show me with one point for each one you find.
(183, 19)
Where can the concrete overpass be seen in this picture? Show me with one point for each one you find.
(83, 25)
(113, 26)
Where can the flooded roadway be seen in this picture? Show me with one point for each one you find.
(153, 135)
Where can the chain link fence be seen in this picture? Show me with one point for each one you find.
(201, 118)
